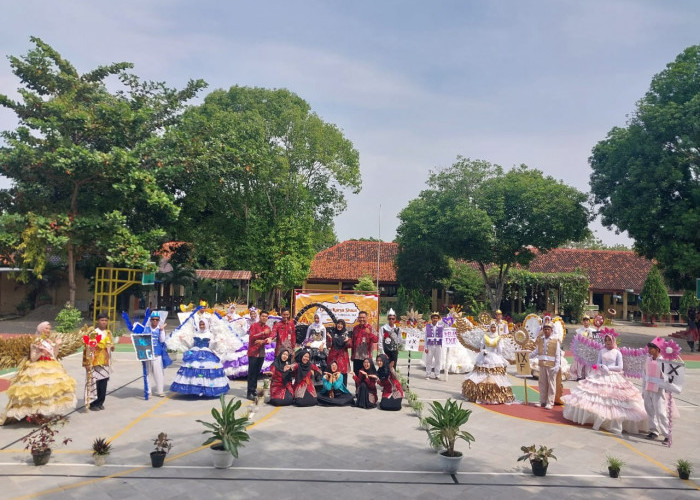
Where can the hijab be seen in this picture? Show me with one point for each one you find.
(383, 371)
(317, 325)
(338, 337)
(302, 368)
(278, 363)
(612, 337)
(40, 327)
(371, 370)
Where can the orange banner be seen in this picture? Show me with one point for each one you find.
(345, 305)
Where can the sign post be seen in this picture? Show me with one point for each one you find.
(412, 343)
(522, 364)
(144, 352)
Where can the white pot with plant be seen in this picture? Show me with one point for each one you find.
(228, 433)
(444, 425)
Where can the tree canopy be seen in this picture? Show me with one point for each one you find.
(645, 176)
(475, 211)
(81, 184)
(258, 178)
(655, 299)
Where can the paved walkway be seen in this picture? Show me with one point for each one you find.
(343, 453)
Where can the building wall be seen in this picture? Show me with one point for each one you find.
(83, 295)
(12, 292)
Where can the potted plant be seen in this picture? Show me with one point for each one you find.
(266, 390)
(445, 423)
(684, 468)
(422, 424)
(100, 449)
(434, 441)
(417, 408)
(40, 441)
(539, 458)
(228, 433)
(614, 466)
(163, 446)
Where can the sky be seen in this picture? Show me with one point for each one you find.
(412, 84)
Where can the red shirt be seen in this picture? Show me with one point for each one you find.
(285, 336)
(362, 339)
(257, 331)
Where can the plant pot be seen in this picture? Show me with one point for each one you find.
(41, 458)
(157, 458)
(683, 474)
(100, 460)
(450, 465)
(538, 468)
(614, 472)
(220, 457)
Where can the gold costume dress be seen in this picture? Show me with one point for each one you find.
(488, 382)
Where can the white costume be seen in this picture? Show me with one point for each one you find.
(655, 398)
(433, 348)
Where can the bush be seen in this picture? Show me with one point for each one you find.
(68, 319)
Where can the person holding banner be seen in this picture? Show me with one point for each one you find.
(433, 347)
(363, 337)
(488, 382)
(548, 354)
(97, 360)
(160, 359)
(653, 392)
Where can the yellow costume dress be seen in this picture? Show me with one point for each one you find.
(41, 385)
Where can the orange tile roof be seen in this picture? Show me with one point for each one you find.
(223, 274)
(352, 259)
(608, 270)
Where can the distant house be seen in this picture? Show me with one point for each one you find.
(616, 277)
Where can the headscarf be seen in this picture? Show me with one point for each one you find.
(40, 327)
(371, 370)
(338, 337)
(383, 371)
(317, 325)
(302, 368)
(206, 325)
(612, 337)
(279, 365)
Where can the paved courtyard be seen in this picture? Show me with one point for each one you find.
(341, 452)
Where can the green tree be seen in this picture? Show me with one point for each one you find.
(80, 184)
(593, 243)
(687, 301)
(365, 284)
(646, 176)
(258, 177)
(655, 300)
(464, 282)
(475, 211)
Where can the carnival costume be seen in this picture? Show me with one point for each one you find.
(235, 358)
(392, 392)
(201, 372)
(97, 361)
(606, 398)
(653, 394)
(488, 382)
(577, 370)
(41, 386)
(390, 339)
(161, 360)
(433, 348)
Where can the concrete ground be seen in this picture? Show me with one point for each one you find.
(340, 452)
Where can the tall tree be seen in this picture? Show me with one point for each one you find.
(646, 176)
(80, 184)
(655, 300)
(259, 178)
(475, 211)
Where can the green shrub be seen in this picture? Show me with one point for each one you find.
(68, 319)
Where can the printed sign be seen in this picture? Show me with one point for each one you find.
(449, 337)
(345, 305)
(142, 346)
(413, 338)
(522, 363)
(673, 372)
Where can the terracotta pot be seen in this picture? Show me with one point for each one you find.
(157, 458)
(41, 458)
(538, 468)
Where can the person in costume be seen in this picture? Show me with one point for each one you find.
(281, 383)
(501, 324)
(606, 398)
(160, 360)
(488, 382)
(41, 385)
(363, 338)
(653, 394)
(390, 338)
(580, 370)
(339, 342)
(548, 354)
(392, 392)
(97, 361)
(366, 385)
(304, 390)
(259, 336)
(284, 333)
(433, 347)
(251, 318)
(201, 373)
(334, 392)
(316, 334)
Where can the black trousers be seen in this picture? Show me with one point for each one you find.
(254, 367)
(101, 386)
(393, 356)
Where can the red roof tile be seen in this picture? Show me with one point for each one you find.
(608, 270)
(223, 274)
(350, 260)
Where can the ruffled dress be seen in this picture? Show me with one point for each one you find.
(607, 400)
(40, 387)
(488, 382)
(235, 357)
(201, 372)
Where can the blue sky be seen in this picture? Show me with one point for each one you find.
(412, 84)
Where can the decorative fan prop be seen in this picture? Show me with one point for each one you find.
(470, 336)
(532, 325)
(586, 350)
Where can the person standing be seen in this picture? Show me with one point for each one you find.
(284, 333)
(259, 336)
(390, 338)
(548, 354)
(693, 333)
(97, 360)
(652, 392)
(339, 341)
(501, 324)
(433, 346)
(363, 337)
(156, 365)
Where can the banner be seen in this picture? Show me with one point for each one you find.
(673, 373)
(412, 338)
(449, 337)
(142, 346)
(345, 305)
(522, 363)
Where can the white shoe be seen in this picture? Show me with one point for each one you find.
(537, 404)
(547, 407)
(427, 377)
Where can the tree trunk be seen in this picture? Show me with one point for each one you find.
(71, 275)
